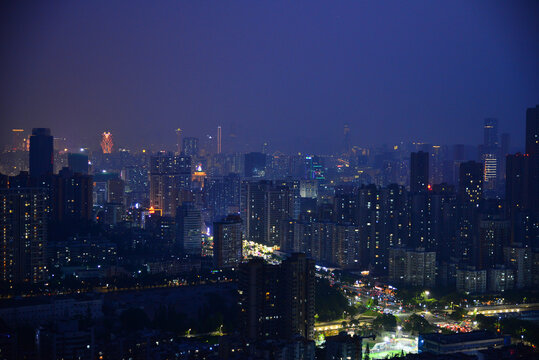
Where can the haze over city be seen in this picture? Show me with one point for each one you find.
(291, 74)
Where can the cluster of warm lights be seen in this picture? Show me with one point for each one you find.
(106, 143)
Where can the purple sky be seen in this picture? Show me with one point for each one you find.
(289, 72)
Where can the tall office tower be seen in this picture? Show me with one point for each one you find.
(188, 231)
(490, 133)
(227, 242)
(190, 146)
(23, 235)
(517, 183)
(346, 141)
(255, 211)
(494, 234)
(72, 197)
(78, 163)
(116, 191)
(219, 139)
(179, 141)
(490, 156)
(107, 143)
(521, 190)
(298, 275)
(443, 220)
(169, 174)
(254, 164)
(41, 153)
(469, 195)
(437, 157)
(258, 287)
(532, 131)
(419, 172)
(490, 175)
(18, 142)
(223, 195)
(504, 151)
(459, 156)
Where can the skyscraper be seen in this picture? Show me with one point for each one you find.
(277, 301)
(72, 198)
(255, 164)
(490, 133)
(227, 242)
(190, 146)
(188, 232)
(346, 141)
(169, 174)
(419, 171)
(23, 235)
(490, 156)
(41, 153)
(107, 143)
(219, 138)
(298, 275)
(178, 141)
(469, 195)
(532, 131)
(78, 163)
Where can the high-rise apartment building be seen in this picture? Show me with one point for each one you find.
(78, 163)
(72, 197)
(419, 171)
(277, 301)
(23, 235)
(227, 242)
(41, 153)
(169, 174)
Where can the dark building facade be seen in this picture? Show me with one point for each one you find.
(41, 153)
(277, 301)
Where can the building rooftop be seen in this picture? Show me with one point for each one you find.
(461, 337)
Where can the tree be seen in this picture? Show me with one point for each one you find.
(457, 314)
(330, 303)
(416, 324)
(385, 322)
(367, 353)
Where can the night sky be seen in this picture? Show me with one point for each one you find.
(291, 73)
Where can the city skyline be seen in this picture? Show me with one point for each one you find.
(269, 180)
